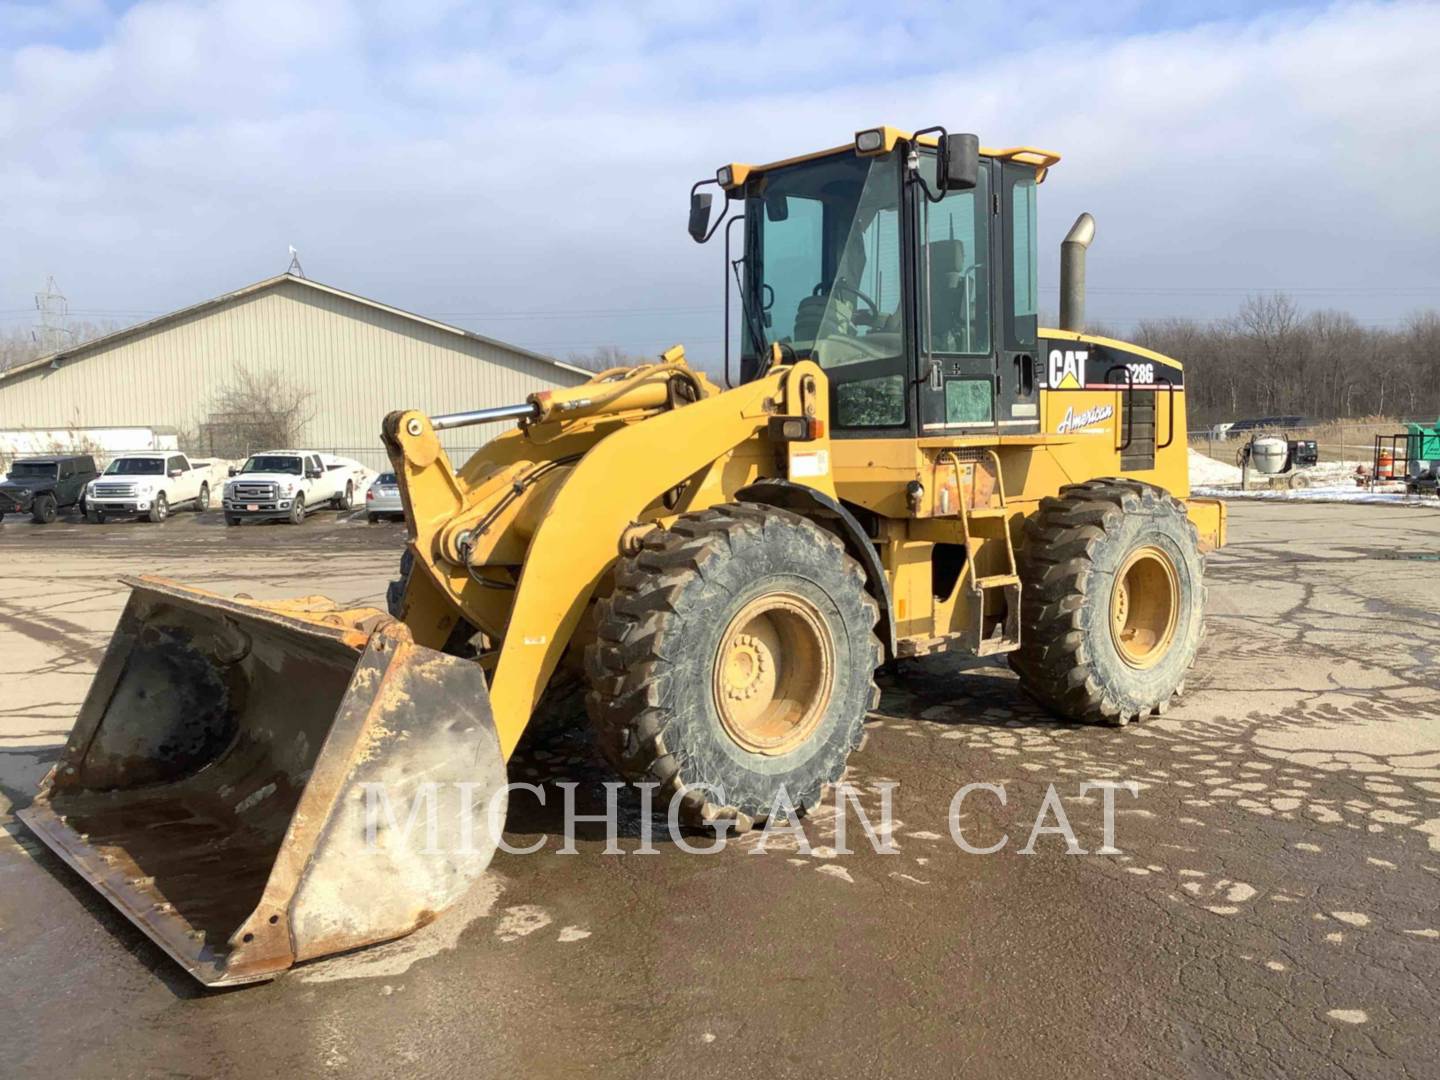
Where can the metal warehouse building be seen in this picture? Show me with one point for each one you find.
(358, 359)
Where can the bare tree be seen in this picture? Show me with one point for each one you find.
(254, 410)
(21, 344)
(1269, 324)
(18, 346)
(1270, 360)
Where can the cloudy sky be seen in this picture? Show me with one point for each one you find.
(524, 170)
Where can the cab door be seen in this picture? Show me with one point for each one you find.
(976, 353)
(181, 483)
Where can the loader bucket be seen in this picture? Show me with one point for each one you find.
(258, 784)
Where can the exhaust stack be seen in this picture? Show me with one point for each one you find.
(1072, 273)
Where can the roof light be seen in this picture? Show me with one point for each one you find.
(724, 176)
(869, 142)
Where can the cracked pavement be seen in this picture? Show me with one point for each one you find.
(1273, 910)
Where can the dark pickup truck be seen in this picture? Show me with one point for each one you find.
(43, 486)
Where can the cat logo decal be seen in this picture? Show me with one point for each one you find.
(1067, 369)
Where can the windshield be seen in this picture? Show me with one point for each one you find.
(273, 463)
(824, 280)
(33, 470)
(824, 260)
(135, 467)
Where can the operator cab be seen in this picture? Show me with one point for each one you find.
(905, 266)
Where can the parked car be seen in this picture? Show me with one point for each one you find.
(288, 484)
(383, 498)
(150, 483)
(43, 486)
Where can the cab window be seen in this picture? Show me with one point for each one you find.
(1023, 302)
(955, 261)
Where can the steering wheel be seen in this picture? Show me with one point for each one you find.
(841, 286)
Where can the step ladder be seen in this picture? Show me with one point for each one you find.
(982, 524)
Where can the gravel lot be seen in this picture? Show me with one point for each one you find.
(1273, 909)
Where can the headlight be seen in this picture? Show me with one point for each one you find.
(287, 490)
(870, 142)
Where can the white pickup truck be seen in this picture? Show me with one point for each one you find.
(150, 483)
(288, 484)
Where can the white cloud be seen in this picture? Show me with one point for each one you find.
(516, 159)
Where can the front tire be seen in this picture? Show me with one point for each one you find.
(231, 519)
(735, 655)
(297, 510)
(160, 508)
(94, 515)
(1112, 603)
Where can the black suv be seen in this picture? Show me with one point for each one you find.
(42, 486)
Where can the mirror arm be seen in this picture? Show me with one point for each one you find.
(931, 196)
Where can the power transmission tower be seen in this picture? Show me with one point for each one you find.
(52, 334)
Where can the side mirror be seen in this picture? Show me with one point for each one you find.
(777, 206)
(233, 471)
(314, 474)
(175, 473)
(700, 215)
(960, 163)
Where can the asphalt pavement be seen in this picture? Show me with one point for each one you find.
(1273, 908)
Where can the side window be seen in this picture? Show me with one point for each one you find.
(1024, 303)
(176, 464)
(956, 256)
(794, 244)
(67, 470)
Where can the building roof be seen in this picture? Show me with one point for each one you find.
(97, 344)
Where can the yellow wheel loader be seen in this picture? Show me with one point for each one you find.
(902, 463)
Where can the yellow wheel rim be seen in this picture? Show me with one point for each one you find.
(1145, 607)
(773, 673)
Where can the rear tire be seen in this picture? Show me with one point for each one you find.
(1112, 601)
(160, 508)
(372, 518)
(735, 654)
(43, 509)
(297, 510)
(202, 501)
(347, 500)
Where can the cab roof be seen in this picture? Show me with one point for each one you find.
(1040, 160)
